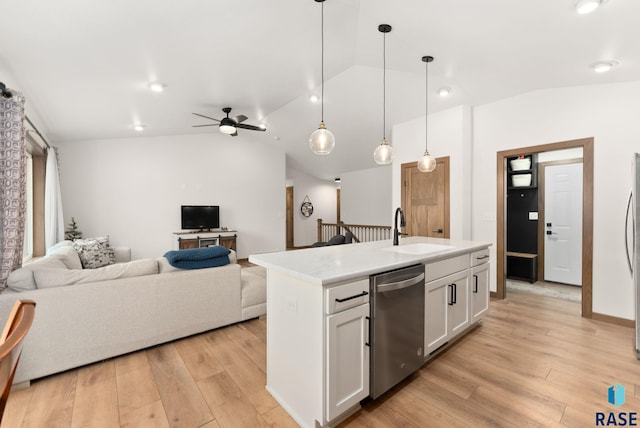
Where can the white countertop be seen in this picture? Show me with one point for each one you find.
(337, 263)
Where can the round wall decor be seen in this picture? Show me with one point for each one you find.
(307, 207)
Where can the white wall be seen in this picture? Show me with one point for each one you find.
(449, 135)
(606, 112)
(132, 189)
(365, 196)
(322, 194)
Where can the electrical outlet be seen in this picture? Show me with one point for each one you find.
(489, 217)
(292, 304)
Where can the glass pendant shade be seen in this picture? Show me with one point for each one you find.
(426, 163)
(383, 155)
(322, 141)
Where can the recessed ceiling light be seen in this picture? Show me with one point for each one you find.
(139, 127)
(587, 6)
(445, 91)
(314, 98)
(603, 66)
(157, 86)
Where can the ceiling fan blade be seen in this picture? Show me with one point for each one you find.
(240, 118)
(198, 126)
(206, 117)
(250, 127)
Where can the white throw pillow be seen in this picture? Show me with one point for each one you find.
(68, 255)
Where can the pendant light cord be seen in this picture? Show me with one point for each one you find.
(322, 64)
(426, 106)
(384, 86)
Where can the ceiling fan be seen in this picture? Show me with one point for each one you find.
(229, 125)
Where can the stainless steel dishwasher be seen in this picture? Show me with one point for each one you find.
(397, 326)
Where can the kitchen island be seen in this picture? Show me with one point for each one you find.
(318, 313)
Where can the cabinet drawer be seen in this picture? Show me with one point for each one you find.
(446, 267)
(346, 296)
(479, 257)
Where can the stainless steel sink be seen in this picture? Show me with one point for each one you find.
(420, 248)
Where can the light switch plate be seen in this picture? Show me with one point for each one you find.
(533, 215)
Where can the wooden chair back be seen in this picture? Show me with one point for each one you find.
(15, 330)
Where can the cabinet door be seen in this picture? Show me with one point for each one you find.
(459, 303)
(446, 309)
(479, 291)
(436, 328)
(188, 243)
(347, 359)
(228, 242)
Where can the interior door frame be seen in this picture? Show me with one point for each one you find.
(445, 162)
(587, 215)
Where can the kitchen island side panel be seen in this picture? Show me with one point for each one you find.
(295, 338)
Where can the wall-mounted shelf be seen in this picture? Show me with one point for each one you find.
(533, 170)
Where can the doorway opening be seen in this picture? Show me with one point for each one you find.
(587, 215)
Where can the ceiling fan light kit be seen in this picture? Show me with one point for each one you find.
(322, 141)
(230, 125)
(426, 163)
(383, 155)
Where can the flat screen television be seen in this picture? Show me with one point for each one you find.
(200, 217)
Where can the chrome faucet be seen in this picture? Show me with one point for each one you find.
(395, 225)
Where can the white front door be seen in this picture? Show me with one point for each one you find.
(563, 223)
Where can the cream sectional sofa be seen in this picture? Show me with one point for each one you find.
(146, 302)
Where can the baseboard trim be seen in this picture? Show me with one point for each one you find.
(613, 320)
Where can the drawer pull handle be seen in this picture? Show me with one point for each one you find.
(364, 293)
(483, 257)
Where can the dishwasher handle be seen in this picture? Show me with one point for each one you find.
(399, 285)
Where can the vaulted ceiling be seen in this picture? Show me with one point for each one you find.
(85, 66)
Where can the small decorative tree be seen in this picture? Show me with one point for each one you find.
(72, 233)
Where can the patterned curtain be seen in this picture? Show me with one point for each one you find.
(13, 184)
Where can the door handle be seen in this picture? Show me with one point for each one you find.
(626, 230)
(453, 291)
(368, 342)
(551, 233)
(364, 293)
(475, 283)
(400, 284)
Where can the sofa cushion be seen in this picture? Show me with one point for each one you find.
(254, 287)
(65, 243)
(22, 279)
(47, 278)
(67, 254)
(336, 240)
(94, 252)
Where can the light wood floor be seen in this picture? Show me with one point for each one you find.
(533, 362)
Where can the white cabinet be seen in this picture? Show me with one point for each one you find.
(446, 309)
(479, 287)
(347, 348)
(347, 359)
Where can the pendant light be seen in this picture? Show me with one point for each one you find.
(322, 141)
(426, 163)
(383, 154)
